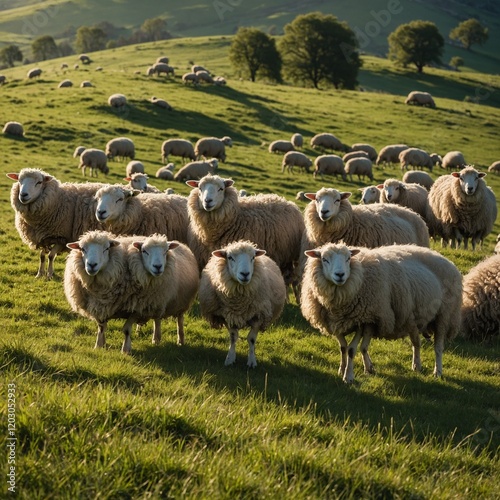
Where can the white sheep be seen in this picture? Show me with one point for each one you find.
(295, 159)
(161, 103)
(95, 160)
(212, 147)
(412, 196)
(389, 292)
(120, 147)
(418, 177)
(281, 146)
(390, 154)
(297, 140)
(240, 287)
(367, 148)
(49, 214)
(414, 157)
(494, 167)
(86, 83)
(370, 194)
(134, 167)
(362, 167)
(78, 151)
(329, 165)
(34, 73)
(163, 59)
(196, 67)
(355, 154)
(160, 68)
(65, 83)
(190, 78)
(196, 170)
(117, 100)
(453, 160)
(301, 196)
(481, 301)
(177, 147)
(461, 206)
(420, 99)
(219, 81)
(139, 181)
(14, 129)
(204, 76)
(166, 172)
(328, 141)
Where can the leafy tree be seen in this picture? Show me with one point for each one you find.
(43, 48)
(90, 39)
(470, 32)
(418, 43)
(155, 29)
(253, 53)
(65, 48)
(318, 48)
(10, 54)
(456, 62)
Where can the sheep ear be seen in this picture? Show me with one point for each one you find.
(314, 254)
(228, 182)
(193, 184)
(137, 245)
(173, 244)
(135, 192)
(481, 175)
(344, 196)
(310, 196)
(113, 243)
(13, 176)
(73, 246)
(455, 174)
(127, 179)
(222, 254)
(259, 253)
(380, 186)
(354, 251)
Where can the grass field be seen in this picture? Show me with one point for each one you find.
(173, 422)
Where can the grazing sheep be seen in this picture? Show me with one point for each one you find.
(390, 154)
(86, 83)
(367, 148)
(166, 172)
(281, 146)
(203, 76)
(370, 194)
(494, 167)
(453, 160)
(219, 81)
(34, 73)
(420, 99)
(49, 214)
(139, 181)
(461, 206)
(125, 211)
(76, 66)
(418, 177)
(163, 59)
(362, 167)
(190, 78)
(169, 191)
(481, 301)
(3, 79)
(329, 165)
(160, 68)
(134, 167)
(295, 159)
(121, 147)
(177, 147)
(297, 140)
(196, 67)
(328, 141)
(241, 287)
(78, 151)
(65, 83)
(84, 59)
(389, 292)
(212, 147)
(196, 170)
(14, 129)
(117, 100)
(301, 196)
(354, 154)
(412, 196)
(161, 103)
(95, 160)
(99, 68)
(436, 159)
(414, 157)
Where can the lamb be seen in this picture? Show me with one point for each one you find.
(78, 151)
(14, 129)
(166, 172)
(212, 147)
(481, 301)
(117, 100)
(190, 78)
(412, 196)
(415, 157)
(362, 167)
(241, 287)
(34, 73)
(134, 167)
(329, 165)
(95, 160)
(297, 140)
(196, 170)
(161, 103)
(295, 159)
(65, 83)
(494, 167)
(388, 292)
(328, 141)
(461, 206)
(367, 148)
(418, 177)
(125, 211)
(281, 146)
(453, 160)
(49, 214)
(390, 154)
(370, 194)
(177, 147)
(139, 181)
(354, 154)
(420, 99)
(120, 147)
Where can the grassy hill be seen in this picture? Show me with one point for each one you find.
(172, 421)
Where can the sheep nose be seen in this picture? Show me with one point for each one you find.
(101, 214)
(340, 276)
(23, 196)
(91, 266)
(389, 196)
(244, 275)
(158, 268)
(324, 213)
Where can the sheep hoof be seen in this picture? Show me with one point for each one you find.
(230, 360)
(252, 364)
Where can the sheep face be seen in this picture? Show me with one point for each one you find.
(94, 253)
(327, 202)
(240, 261)
(469, 180)
(335, 262)
(227, 141)
(370, 194)
(31, 184)
(154, 253)
(138, 181)
(211, 190)
(111, 202)
(393, 190)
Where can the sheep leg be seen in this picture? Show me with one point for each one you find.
(101, 334)
(231, 355)
(252, 338)
(57, 248)
(127, 331)
(367, 362)
(438, 351)
(343, 353)
(41, 265)
(351, 352)
(416, 363)
(180, 329)
(156, 331)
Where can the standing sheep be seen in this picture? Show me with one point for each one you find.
(95, 160)
(196, 170)
(134, 167)
(166, 172)
(78, 151)
(117, 100)
(367, 148)
(161, 103)
(190, 78)
(34, 73)
(354, 154)
(241, 287)
(418, 177)
(3, 79)
(370, 194)
(160, 68)
(418, 98)
(297, 140)
(120, 147)
(204, 76)
(177, 147)
(362, 167)
(281, 146)
(329, 165)
(412, 196)
(212, 147)
(295, 159)
(328, 141)
(494, 167)
(389, 292)
(14, 129)
(64, 84)
(390, 154)
(414, 157)
(453, 160)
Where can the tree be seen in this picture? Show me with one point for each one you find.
(90, 39)
(155, 29)
(470, 32)
(43, 48)
(318, 48)
(456, 62)
(10, 54)
(65, 48)
(418, 43)
(253, 52)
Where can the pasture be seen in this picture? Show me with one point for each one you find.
(174, 422)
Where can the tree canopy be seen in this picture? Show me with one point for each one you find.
(155, 29)
(10, 54)
(470, 32)
(318, 49)
(418, 43)
(90, 39)
(253, 53)
(44, 47)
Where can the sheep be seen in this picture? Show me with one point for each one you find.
(125, 211)
(120, 147)
(95, 160)
(65, 83)
(354, 154)
(297, 140)
(203, 76)
(163, 59)
(420, 99)
(240, 287)
(34, 73)
(367, 148)
(328, 141)
(481, 301)
(453, 160)
(461, 206)
(117, 100)
(99, 68)
(84, 59)
(161, 103)
(415, 157)
(362, 167)
(329, 165)
(14, 129)
(301, 196)
(212, 147)
(219, 81)
(281, 146)
(169, 191)
(177, 147)
(134, 167)
(412, 196)
(196, 67)
(160, 68)
(3, 79)
(76, 66)
(166, 172)
(418, 177)
(196, 170)
(139, 181)
(370, 194)
(388, 292)
(190, 78)
(494, 167)
(49, 214)
(390, 154)
(436, 159)
(86, 83)
(78, 151)
(295, 159)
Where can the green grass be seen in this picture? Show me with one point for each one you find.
(172, 421)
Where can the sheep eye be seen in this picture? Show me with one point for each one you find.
(337, 201)
(221, 189)
(326, 261)
(145, 252)
(83, 250)
(107, 249)
(229, 257)
(119, 199)
(39, 182)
